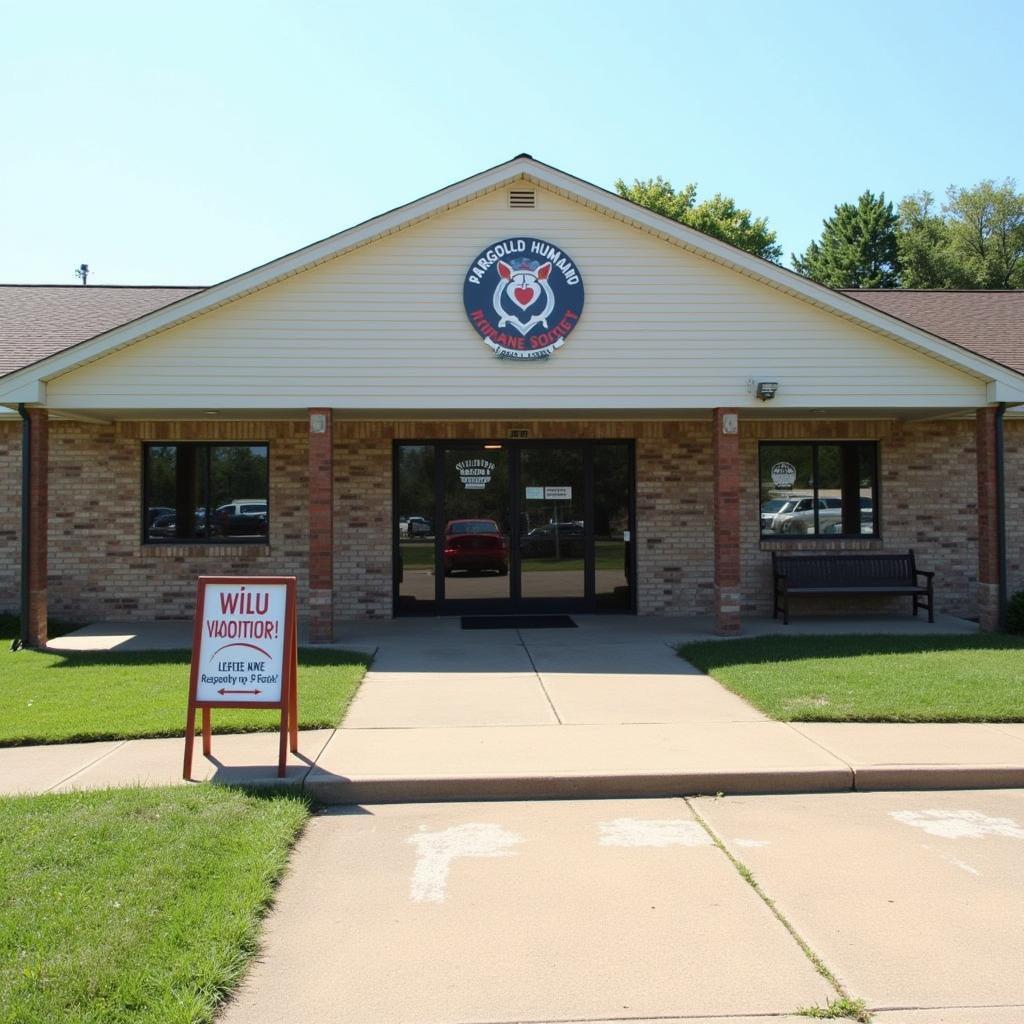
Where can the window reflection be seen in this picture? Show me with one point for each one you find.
(819, 490)
(206, 492)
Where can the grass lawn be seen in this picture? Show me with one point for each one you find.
(871, 678)
(607, 555)
(134, 905)
(64, 698)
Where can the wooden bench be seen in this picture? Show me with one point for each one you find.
(850, 573)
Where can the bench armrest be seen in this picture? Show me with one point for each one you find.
(924, 572)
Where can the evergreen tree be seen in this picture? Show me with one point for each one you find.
(858, 247)
(718, 216)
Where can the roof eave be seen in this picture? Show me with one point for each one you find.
(465, 191)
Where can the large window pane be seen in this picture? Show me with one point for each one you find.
(198, 492)
(238, 491)
(414, 508)
(787, 489)
(818, 490)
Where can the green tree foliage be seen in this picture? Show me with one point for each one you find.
(923, 241)
(986, 233)
(858, 247)
(718, 216)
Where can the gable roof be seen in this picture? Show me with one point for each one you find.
(28, 383)
(990, 323)
(40, 320)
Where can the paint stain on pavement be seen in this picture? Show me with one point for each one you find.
(959, 824)
(435, 852)
(639, 832)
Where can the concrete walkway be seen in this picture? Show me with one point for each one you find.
(627, 910)
(604, 710)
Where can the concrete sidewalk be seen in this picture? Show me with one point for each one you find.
(608, 910)
(605, 710)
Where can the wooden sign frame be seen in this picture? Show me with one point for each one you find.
(289, 701)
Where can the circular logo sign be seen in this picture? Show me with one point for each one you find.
(784, 474)
(523, 296)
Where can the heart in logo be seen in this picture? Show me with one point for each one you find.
(524, 296)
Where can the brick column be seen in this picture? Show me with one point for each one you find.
(726, 450)
(988, 520)
(321, 526)
(36, 569)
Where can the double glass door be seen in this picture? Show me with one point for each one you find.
(513, 526)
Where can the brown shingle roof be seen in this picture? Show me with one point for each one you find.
(37, 320)
(989, 323)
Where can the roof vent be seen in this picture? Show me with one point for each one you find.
(522, 199)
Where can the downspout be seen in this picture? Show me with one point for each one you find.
(26, 480)
(1001, 512)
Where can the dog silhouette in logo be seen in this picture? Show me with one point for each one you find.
(522, 286)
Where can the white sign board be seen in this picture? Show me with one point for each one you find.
(558, 494)
(784, 474)
(241, 650)
(475, 473)
(534, 493)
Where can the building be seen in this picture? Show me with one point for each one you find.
(520, 392)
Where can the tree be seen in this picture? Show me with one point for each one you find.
(923, 242)
(858, 247)
(718, 216)
(976, 241)
(986, 233)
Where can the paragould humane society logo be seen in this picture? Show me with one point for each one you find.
(523, 296)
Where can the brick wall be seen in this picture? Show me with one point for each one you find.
(10, 516)
(100, 569)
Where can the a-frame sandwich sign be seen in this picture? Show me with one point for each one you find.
(244, 655)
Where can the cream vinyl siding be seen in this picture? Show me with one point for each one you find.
(383, 327)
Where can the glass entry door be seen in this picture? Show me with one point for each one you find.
(497, 527)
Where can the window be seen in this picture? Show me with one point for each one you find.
(813, 489)
(200, 493)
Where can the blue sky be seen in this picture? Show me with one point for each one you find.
(185, 143)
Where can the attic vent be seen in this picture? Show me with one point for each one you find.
(522, 199)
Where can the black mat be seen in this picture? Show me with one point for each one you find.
(517, 622)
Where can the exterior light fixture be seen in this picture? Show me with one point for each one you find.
(766, 389)
(492, 447)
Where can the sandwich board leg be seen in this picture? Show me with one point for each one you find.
(282, 755)
(190, 738)
(293, 714)
(207, 731)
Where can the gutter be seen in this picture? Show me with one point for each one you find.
(1001, 512)
(26, 480)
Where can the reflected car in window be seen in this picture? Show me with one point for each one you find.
(770, 509)
(475, 545)
(800, 518)
(418, 526)
(540, 542)
(241, 519)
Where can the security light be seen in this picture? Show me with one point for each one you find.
(766, 389)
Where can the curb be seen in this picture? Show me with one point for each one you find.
(334, 789)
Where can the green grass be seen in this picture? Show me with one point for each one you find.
(68, 697)
(838, 1009)
(607, 555)
(134, 906)
(977, 678)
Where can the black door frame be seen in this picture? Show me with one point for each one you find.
(515, 602)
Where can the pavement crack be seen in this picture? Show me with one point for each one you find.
(747, 875)
(85, 767)
(540, 678)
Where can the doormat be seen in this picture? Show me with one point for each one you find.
(517, 622)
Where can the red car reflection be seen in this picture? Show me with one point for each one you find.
(474, 545)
